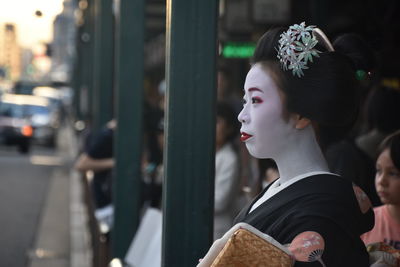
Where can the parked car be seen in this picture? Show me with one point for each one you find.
(23, 87)
(40, 114)
(54, 95)
(45, 122)
(51, 93)
(15, 126)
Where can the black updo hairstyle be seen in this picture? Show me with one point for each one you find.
(392, 142)
(327, 94)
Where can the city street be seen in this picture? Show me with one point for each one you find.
(24, 185)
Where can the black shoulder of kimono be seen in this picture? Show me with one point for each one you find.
(326, 196)
(337, 199)
(340, 249)
(244, 211)
(327, 204)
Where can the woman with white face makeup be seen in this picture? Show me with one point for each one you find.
(298, 92)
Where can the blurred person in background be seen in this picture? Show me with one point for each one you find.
(226, 91)
(153, 168)
(153, 174)
(98, 158)
(268, 173)
(383, 109)
(345, 157)
(355, 157)
(387, 182)
(227, 182)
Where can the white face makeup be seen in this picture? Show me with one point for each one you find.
(263, 127)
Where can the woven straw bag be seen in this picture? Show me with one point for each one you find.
(245, 249)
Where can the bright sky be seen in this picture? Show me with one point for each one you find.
(30, 28)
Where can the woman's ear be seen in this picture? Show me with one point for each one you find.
(301, 122)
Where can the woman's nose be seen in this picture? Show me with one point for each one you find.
(243, 116)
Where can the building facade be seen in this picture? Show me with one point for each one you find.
(63, 45)
(10, 53)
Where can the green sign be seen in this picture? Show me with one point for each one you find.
(238, 50)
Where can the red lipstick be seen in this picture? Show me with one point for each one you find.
(244, 136)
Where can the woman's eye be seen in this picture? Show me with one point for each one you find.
(256, 100)
(244, 101)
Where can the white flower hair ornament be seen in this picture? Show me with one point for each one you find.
(296, 47)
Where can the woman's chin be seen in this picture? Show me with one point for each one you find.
(253, 151)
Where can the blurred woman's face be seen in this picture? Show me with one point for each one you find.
(264, 128)
(387, 179)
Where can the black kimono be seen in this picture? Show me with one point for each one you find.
(322, 203)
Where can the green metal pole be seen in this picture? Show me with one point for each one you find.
(129, 101)
(77, 75)
(188, 198)
(87, 59)
(103, 63)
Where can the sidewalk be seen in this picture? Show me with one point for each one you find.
(63, 238)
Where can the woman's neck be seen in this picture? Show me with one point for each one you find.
(303, 155)
(394, 211)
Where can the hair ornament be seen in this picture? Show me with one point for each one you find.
(296, 48)
(360, 75)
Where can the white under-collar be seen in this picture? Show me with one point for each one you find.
(276, 186)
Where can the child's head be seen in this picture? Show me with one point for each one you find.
(387, 179)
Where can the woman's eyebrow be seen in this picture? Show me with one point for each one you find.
(255, 89)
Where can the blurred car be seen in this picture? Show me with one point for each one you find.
(41, 116)
(23, 87)
(55, 98)
(51, 93)
(45, 124)
(15, 126)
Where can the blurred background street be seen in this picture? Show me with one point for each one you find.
(36, 154)
(25, 181)
(35, 204)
